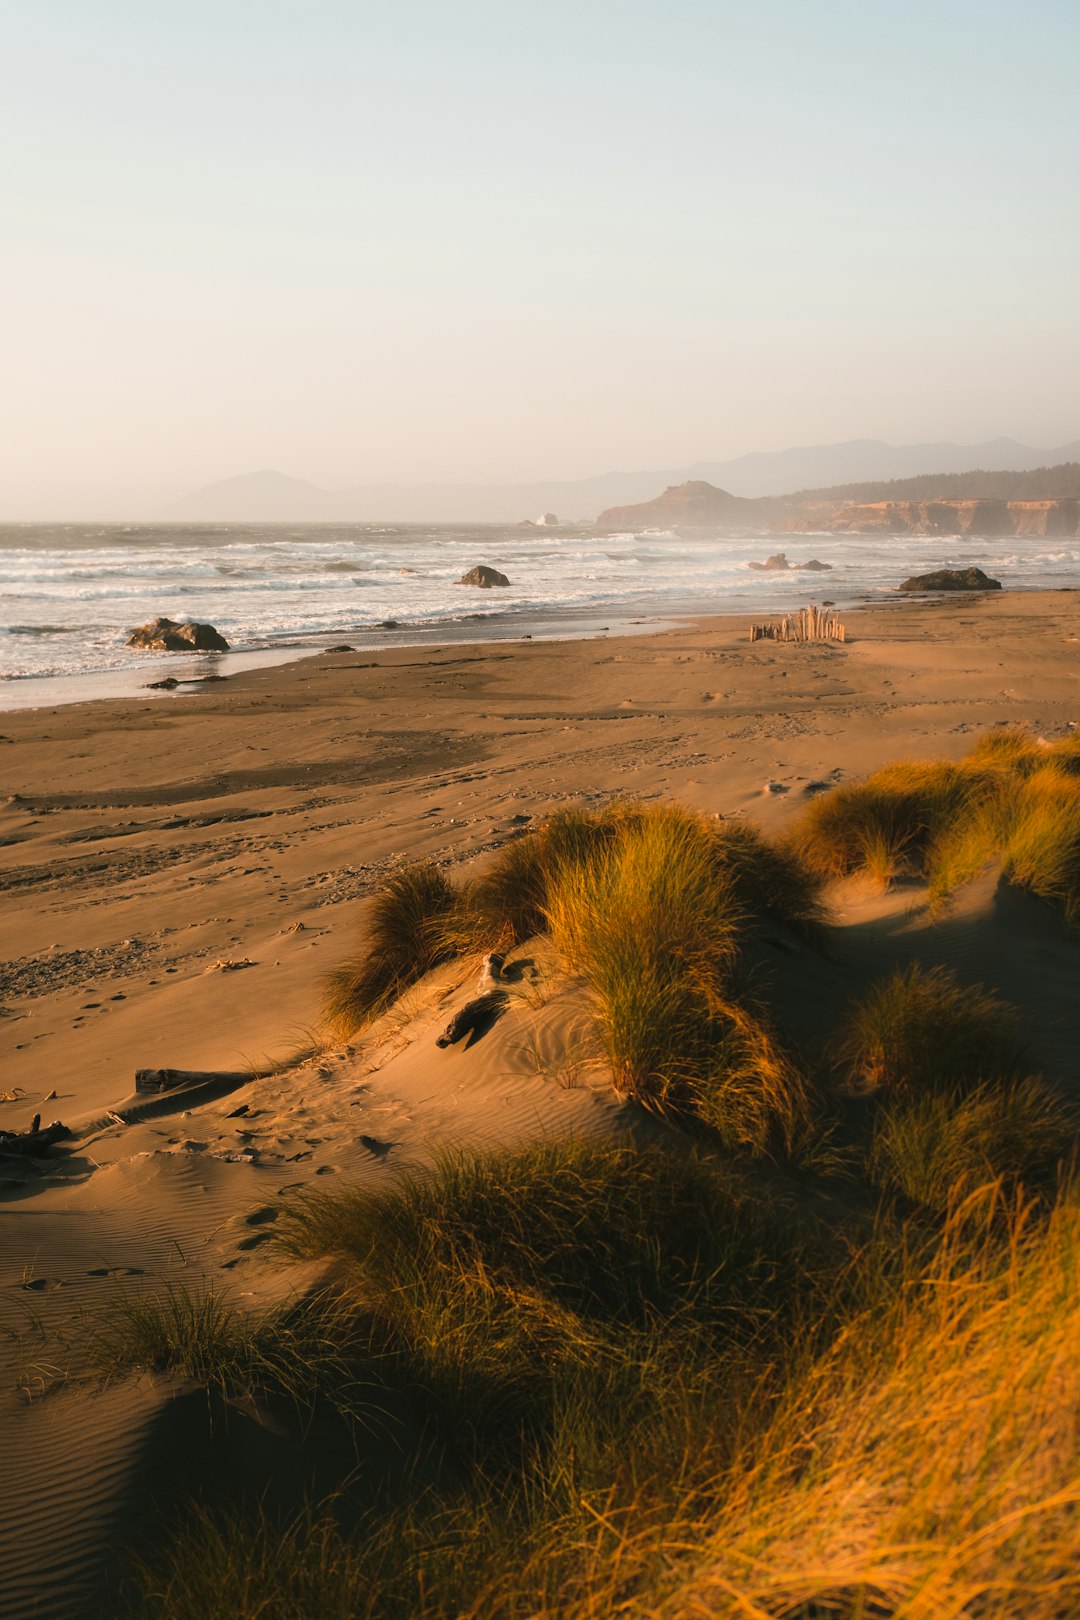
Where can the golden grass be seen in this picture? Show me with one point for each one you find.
(1013, 800)
(913, 1452)
(1042, 846)
(886, 825)
(928, 1147)
(654, 922)
(926, 1468)
(920, 1029)
(507, 903)
(642, 1390)
(768, 878)
(405, 938)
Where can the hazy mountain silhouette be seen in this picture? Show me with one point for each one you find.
(275, 497)
(258, 497)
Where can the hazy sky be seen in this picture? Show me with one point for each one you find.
(509, 239)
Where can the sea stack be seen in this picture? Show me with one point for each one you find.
(483, 577)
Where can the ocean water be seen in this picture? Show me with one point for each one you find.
(69, 593)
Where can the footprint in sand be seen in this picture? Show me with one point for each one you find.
(117, 1271)
(261, 1217)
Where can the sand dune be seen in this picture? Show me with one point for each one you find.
(178, 875)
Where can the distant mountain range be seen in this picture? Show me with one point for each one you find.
(270, 497)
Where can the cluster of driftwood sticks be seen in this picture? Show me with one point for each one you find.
(809, 624)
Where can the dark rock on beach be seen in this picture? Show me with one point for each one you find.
(952, 579)
(484, 577)
(165, 635)
(342, 647)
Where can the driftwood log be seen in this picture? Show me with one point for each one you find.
(809, 624)
(474, 1015)
(150, 1082)
(34, 1143)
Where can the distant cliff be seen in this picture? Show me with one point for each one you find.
(1060, 518)
(700, 505)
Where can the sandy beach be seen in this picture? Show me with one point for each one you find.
(178, 874)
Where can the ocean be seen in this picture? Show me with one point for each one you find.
(69, 593)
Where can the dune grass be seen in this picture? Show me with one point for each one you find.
(654, 923)
(927, 1465)
(768, 878)
(507, 904)
(887, 825)
(311, 1350)
(576, 1328)
(651, 1382)
(928, 1147)
(1012, 800)
(651, 905)
(508, 1284)
(192, 1332)
(921, 1029)
(1041, 849)
(406, 938)
(715, 1424)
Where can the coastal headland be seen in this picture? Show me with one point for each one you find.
(699, 504)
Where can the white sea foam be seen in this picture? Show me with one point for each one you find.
(70, 593)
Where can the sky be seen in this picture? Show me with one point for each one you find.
(501, 240)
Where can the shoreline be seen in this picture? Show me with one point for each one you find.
(195, 672)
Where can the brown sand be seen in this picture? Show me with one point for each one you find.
(177, 875)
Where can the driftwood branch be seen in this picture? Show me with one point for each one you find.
(472, 1016)
(34, 1143)
(152, 1081)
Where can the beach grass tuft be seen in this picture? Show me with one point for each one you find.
(659, 1379)
(920, 1030)
(885, 826)
(935, 1146)
(191, 1332)
(722, 1427)
(1042, 845)
(507, 904)
(1012, 800)
(406, 937)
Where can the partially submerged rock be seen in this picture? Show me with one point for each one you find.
(952, 579)
(166, 635)
(484, 577)
(778, 564)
